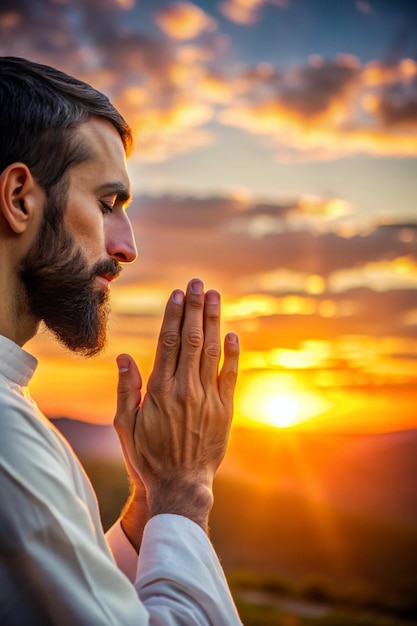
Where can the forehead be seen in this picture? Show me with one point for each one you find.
(107, 159)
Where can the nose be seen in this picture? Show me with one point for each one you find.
(120, 240)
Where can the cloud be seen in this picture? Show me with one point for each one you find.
(396, 273)
(184, 20)
(166, 129)
(329, 109)
(397, 106)
(171, 90)
(323, 208)
(257, 247)
(392, 94)
(238, 214)
(361, 316)
(279, 289)
(245, 11)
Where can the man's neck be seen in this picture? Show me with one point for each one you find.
(16, 321)
(19, 334)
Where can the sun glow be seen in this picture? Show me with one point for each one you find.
(280, 410)
(278, 400)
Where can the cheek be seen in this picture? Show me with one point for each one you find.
(86, 227)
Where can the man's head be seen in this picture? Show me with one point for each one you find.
(63, 138)
(39, 109)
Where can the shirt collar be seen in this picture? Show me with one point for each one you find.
(15, 363)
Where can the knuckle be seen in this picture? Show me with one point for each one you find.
(194, 338)
(119, 424)
(230, 377)
(123, 390)
(212, 350)
(195, 303)
(170, 340)
(212, 314)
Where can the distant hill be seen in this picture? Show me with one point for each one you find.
(343, 507)
(368, 474)
(90, 441)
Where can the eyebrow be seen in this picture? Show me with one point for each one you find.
(116, 188)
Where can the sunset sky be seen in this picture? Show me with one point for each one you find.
(276, 158)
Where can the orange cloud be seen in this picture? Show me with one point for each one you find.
(327, 208)
(376, 73)
(245, 11)
(184, 20)
(398, 273)
(391, 95)
(282, 255)
(162, 132)
(326, 110)
(215, 87)
(170, 89)
(158, 93)
(125, 5)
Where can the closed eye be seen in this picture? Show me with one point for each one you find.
(116, 194)
(106, 207)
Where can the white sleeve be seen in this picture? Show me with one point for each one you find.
(123, 552)
(177, 565)
(180, 579)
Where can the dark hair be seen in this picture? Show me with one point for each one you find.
(39, 109)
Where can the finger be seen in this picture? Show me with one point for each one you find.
(192, 335)
(169, 341)
(228, 373)
(128, 392)
(128, 402)
(211, 349)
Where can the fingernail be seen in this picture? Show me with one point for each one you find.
(178, 297)
(197, 287)
(123, 364)
(212, 297)
(232, 338)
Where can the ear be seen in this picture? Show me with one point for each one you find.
(21, 197)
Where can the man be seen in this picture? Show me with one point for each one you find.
(64, 234)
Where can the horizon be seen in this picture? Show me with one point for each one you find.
(263, 428)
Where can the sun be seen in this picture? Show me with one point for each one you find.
(278, 400)
(280, 410)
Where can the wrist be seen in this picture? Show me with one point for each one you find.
(191, 500)
(134, 517)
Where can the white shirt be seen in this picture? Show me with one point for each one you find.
(56, 567)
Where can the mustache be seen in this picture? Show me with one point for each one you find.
(108, 267)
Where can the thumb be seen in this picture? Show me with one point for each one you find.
(128, 391)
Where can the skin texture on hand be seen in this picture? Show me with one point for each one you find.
(175, 439)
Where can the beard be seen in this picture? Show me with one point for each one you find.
(60, 288)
